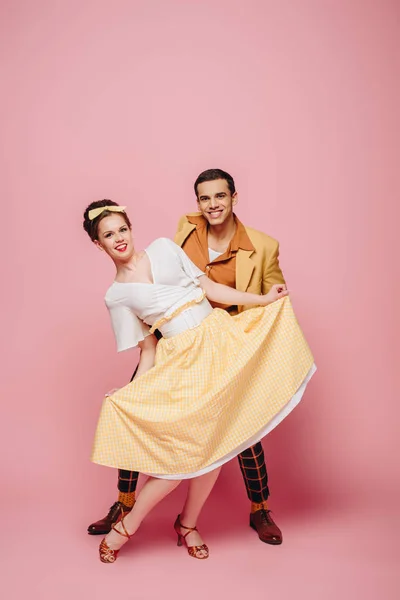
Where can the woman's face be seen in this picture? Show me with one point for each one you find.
(115, 237)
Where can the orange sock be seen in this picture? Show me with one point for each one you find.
(255, 506)
(128, 499)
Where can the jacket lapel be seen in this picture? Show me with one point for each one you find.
(244, 269)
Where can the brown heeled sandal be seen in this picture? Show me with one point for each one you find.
(107, 555)
(192, 550)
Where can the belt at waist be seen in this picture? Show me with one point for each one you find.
(187, 316)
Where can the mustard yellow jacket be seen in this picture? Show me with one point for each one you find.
(256, 271)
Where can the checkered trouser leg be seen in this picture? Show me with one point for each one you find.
(254, 471)
(127, 481)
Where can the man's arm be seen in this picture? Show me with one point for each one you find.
(223, 294)
(272, 273)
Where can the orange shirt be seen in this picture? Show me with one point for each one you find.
(223, 268)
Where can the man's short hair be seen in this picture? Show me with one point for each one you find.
(212, 175)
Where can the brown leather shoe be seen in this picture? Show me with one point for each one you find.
(268, 531)
(104, 525)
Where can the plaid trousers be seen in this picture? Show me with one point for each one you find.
(251, 462)
(252, 466)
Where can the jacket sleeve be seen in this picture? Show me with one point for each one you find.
(272, 273)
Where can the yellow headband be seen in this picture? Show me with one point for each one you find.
(95, 212)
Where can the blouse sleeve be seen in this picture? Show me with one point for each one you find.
(128, 329)
(188, 266)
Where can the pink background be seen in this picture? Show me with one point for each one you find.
(130, 100)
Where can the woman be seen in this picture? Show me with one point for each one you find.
(213, 386)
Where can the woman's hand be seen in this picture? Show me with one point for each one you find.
(277, 292)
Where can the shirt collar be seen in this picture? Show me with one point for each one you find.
(239, 240)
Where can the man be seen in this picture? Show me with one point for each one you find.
(243, 258)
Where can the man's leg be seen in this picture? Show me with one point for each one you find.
(254, 471)
(127, 482)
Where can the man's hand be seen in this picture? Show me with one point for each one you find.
(276, 292)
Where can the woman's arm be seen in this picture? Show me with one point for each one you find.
(223, 294)
(146, 360)
(147, 355)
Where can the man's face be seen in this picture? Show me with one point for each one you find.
(215, 201)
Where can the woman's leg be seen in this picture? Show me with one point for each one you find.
(153, 491)
(198, 492)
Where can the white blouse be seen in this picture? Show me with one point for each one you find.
(135, 307)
